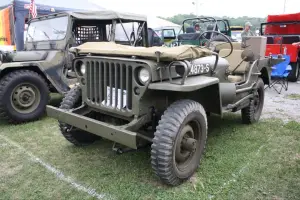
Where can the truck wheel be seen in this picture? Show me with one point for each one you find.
(24, 95)
(294, 74)
(179, 142)
(74, 135)
(251, 113)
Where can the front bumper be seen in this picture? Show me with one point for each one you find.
(105, 130)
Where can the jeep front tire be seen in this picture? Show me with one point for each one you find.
(74, 135)
(24, 95)
(179, 142)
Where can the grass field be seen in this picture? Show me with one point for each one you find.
(260, 161)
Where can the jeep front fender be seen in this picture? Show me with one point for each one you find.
(51, 74)
(202, 89)
(191, 84)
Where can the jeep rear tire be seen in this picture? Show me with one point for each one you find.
(74, 135)
(252, 112)
(179, 142)
(294, 74)
(24, 95)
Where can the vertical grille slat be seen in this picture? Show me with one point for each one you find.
(91, 81)
(116, 86)
(96, 82)
(121, 83)
(127, 84)
(111, 77)
(110, 84)
(100, 89)
(105, 82)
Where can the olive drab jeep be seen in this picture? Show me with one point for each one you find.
(188, 34)
(45, 65)
(134, 96)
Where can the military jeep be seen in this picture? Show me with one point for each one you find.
(161, 96)
(188, 34)
(45, 65)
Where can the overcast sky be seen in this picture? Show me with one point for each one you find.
(234, 8)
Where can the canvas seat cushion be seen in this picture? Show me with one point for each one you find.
(234, 59)
(235, 78)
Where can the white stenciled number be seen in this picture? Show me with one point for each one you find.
(199, 69)
(207, 68)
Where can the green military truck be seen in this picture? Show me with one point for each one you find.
(134, 96)
(45, 65)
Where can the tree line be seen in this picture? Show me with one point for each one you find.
(240, 21)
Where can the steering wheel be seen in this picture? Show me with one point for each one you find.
(211, 39)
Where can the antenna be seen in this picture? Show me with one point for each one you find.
(284, 6)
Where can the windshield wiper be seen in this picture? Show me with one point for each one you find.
(46, 35)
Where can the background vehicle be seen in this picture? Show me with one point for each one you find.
(282, 31)
(236, 32)
(188, 34)
(167, 34)
(26, 77)
(135, 95)
(14, 14)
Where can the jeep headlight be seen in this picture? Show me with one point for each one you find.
(82, 69)
(144, 75)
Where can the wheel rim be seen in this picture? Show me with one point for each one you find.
(187, 145)
(25, 98)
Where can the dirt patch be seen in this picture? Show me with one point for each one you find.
(7, 170)
(284, 106)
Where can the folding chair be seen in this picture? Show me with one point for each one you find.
(279, 74)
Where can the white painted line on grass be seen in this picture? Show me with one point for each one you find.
(240, 172)
(92, 192)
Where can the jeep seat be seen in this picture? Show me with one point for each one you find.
(189, 36)
(234, 60)
(225, 45)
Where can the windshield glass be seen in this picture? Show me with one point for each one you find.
(49, 29)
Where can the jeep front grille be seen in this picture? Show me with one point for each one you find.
(107, 78)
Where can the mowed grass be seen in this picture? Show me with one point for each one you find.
(260, 161)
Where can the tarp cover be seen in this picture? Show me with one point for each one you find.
(184, 52)
(107, 14)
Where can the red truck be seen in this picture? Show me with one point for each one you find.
(282, 31)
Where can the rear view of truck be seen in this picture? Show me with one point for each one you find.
(281, 32)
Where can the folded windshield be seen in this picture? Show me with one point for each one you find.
(49, 29)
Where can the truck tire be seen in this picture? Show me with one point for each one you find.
(24, 95)
(74, 135)
(294, 74)
(252, 113)
(179, 142)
